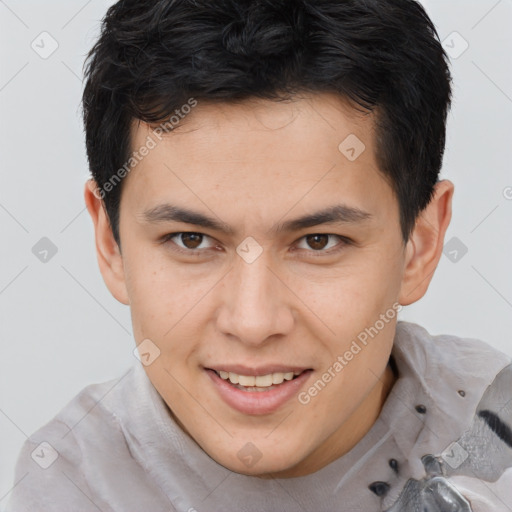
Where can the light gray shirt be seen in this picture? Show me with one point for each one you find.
(443, 442)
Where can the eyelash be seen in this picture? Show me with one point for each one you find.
(199, 252)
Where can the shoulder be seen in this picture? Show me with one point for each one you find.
(81, 460)
(440, 359)
(462, 377)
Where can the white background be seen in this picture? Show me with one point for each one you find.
(60, 329)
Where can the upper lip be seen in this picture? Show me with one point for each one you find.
(256, 371)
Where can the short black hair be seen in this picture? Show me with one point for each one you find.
(383, 56)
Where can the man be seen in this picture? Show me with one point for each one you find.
(265, 198)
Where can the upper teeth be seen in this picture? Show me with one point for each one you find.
(261, 381)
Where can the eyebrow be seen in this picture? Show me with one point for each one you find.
(339, 214)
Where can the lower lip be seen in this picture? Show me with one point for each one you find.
(258, 402)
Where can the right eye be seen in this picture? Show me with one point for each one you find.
(186, 242)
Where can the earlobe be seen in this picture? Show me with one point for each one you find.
(108, 253)
(425, 246)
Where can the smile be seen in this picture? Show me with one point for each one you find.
(258, 394)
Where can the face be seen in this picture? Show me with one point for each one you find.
(255, 249)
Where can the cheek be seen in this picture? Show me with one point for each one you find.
(353, 297)
(166, 300)
(151, 288)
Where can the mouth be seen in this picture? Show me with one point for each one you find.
(258, 392)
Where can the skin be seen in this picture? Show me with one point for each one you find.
(254, 165)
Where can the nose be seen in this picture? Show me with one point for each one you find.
(256, 305)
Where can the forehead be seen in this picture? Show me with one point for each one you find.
(301, 118)
(264, 155)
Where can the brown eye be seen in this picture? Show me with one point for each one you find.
(190, 244)
(317, 242)
(191, 240)
(187, 242)
(320, 244)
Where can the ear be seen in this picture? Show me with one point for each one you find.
(109, 255)
(425, 245)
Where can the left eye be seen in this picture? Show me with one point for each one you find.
(320, 242)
